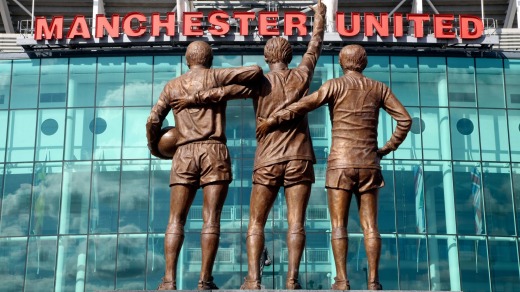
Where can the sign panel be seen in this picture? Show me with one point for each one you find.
(218, 25)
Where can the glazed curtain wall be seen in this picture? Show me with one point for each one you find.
(84, 207)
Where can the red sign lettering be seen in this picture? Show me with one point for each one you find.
(42, 30)
(244, 18)
(295, 20)
(355, 26)
(219, 24)
(136, 24)
(466, 32)
(443, 26)
(418, 20)
(268, 23)
(102, 24)
(79, 27)
(372, 23)
(168, 23)
(192, 24)
(127, 24)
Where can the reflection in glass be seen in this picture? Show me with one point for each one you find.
(234, 131)
(159, 195)
(110, 81)
(386, 200)
(133, 202)
(155, 261)
(138, 81)
(82, 82)
(134, 133)
(432, 81)
(388, 265)
(318, 259)
(473, 259)
(46, 198)
(503, 264)
(404, 79)
(78, 138)
(384, 131)
(493, 126)
(131, 262)
(12, 262)
(461, 82)
(41, 263)
(490, 82)
(249, 60)
(514, 134)
(75, 198)
(24, 83)
(107, 145)
(20, 143)
(49, 137)
(188, 268)
(16, 199)
(164, 69)
(512, 75)
(409, 192)
(3, 134)
(5, 83)
(322, 72)
(464, 134)
(438, 187)
(516, 192)
(101, 262)
(412, 145)
(53, 82)
(378, 68)
(468, 198)
(104, 197)
(436, 135)
(441, 266)
(498, 202)
(71, 260)
(413, 263)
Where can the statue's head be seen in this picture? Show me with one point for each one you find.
(199, 53)
(353, 58)
(278, 50)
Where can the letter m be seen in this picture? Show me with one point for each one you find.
(43, 31)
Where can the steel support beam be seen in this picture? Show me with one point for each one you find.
(98, 7)
(518, 13)
(23, 7)
(511, 11)
(330, 16)
(6, 17)
(433, 7)
(397, 7)
(417, 6)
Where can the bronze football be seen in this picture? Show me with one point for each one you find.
(168, 141)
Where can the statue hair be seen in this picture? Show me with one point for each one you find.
(278, 50)
(199, 53)
(353, 58)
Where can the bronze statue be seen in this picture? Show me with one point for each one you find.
(353, 165)
(284, 157)
(201, 158)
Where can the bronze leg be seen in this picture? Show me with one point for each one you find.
(297, 198)
(339, 204)
(262, 200)
(214, 198)
(181, 197)
(367, 206)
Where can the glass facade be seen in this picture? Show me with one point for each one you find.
(83, 206)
